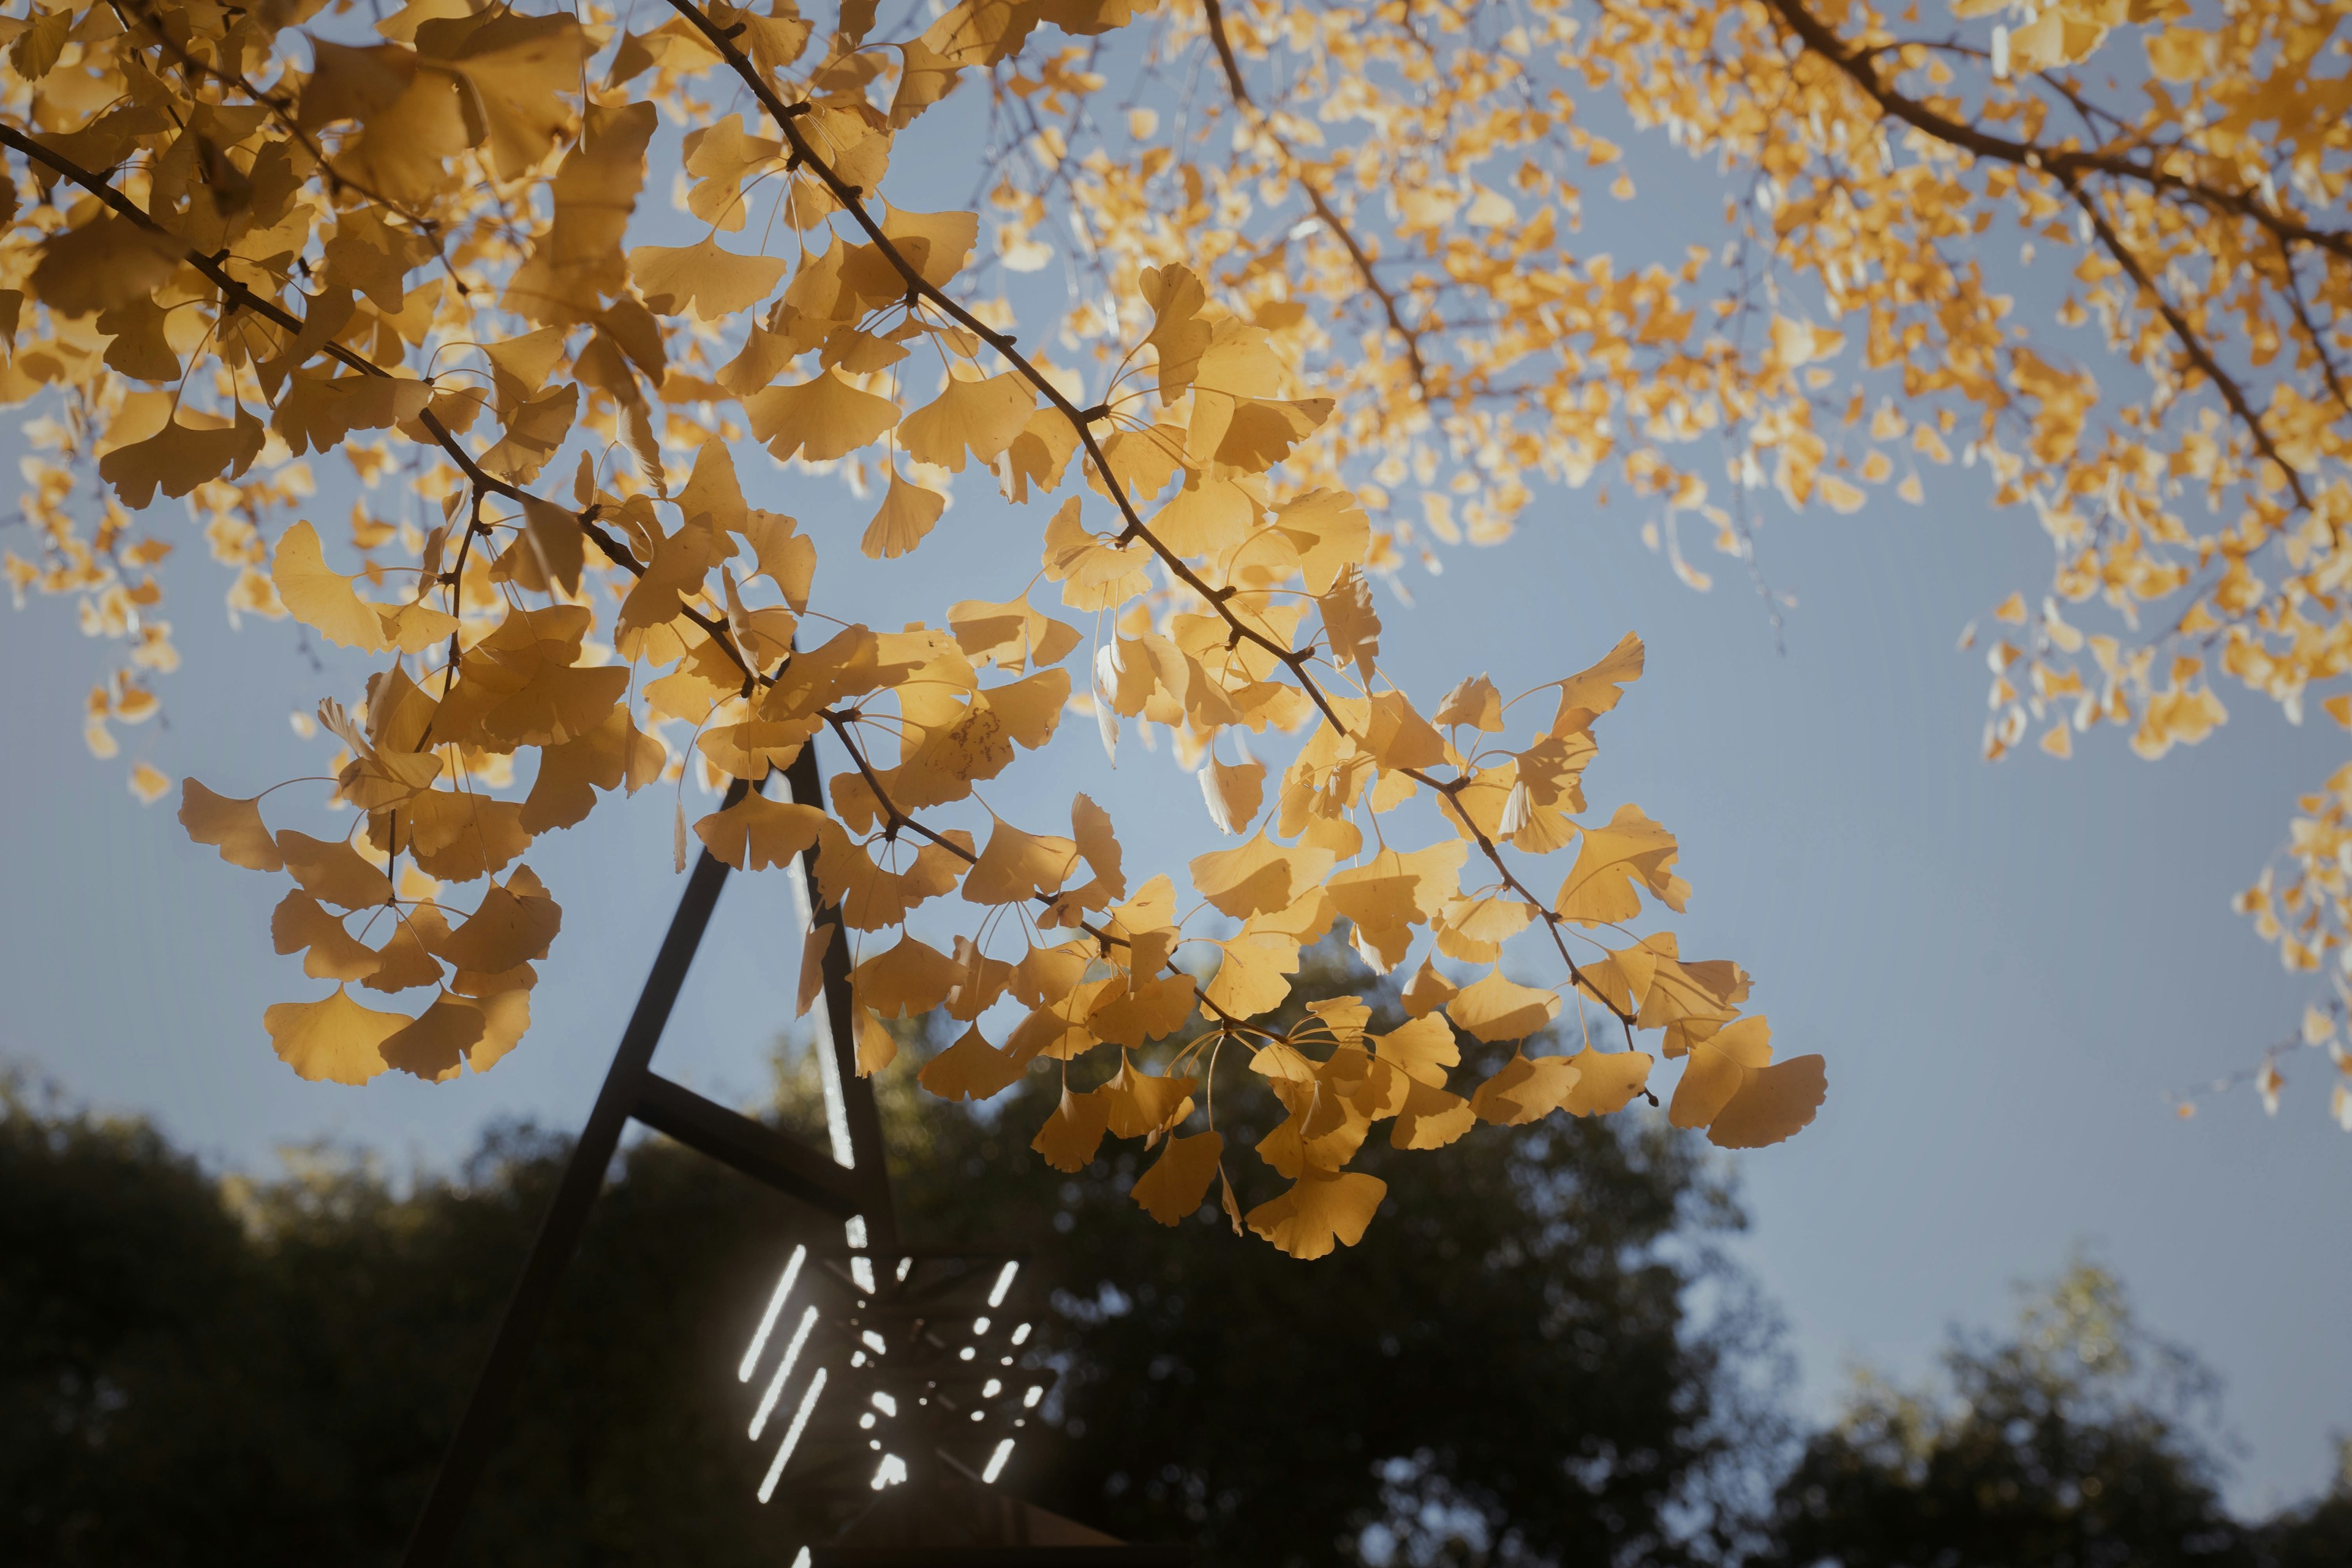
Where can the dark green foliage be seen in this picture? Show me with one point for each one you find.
(1505, 1371)
(2074, 1444)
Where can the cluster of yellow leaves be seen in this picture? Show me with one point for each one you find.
(1396, 192)
(259, 238)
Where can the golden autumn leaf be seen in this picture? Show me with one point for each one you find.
(978, 417)
(819, 419)
(1631, 852)
(1494, 1008)
(1323, 1209)
(1177, 1183)
(757, 832)
(235, 827)
(906, 515)
(1071, 1135)
(334, 1040)
(703, 279)
(971, 1068)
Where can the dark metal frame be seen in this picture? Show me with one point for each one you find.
(633, 1090)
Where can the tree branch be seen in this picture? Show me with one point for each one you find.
(1215, 13)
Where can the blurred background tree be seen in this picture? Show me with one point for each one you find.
(2083, 1441)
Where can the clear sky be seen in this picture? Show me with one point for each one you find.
(2007, 966)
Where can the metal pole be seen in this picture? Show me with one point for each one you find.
(567, 1217)
(871, 1165)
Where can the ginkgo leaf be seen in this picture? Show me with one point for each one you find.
(1607, 1081)
(877, 1046)
(233, 826)
(334, 1040)
(512, 925)
(329, 952)
(1137, 1104)
(433, 1047)
(814, 948)
(1423, 1050)
(1427, 991)
(1719, 1065)
(1249, 978)
(971, 1068)
(756, 833)
(1075, 1131)
(1473, 701)
(1350, 622)
(1526, 1088)
(819, 419)
(906, 980)
(1321, 1210)
(1259, 877)
(334, 873)
(981, 417)
(703, 278)
(1016, 866)
(1774, 1104)
(1597, 690)
(1178, 333)
(1499, 1009)
(321, 598)
(1233, 793)
(1631, 850)
(403, 961)
(1431, 1118)
(1177, 1183)
(906, 515)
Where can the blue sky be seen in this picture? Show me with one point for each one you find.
(2007, 966)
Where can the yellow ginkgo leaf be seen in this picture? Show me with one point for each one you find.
(1259, 877)
(334, 1040)
(1606, 1082)
(906, 980)
(756, 833)
(1423, 1050)
(1427, 991)
(814, 948)
(1017, 865)
(1178, 333)
(1611, 861)
(321, 598)
(1719, 1065)
(877, 1048)
(819, 419)
(1321, 1210)
(332, 872)
(1249, 978)
(1138, 1104)
(1774, 1104)
(1525, 1090)
(703, 278)
(512, 925)
(978, 417)
(329, 952)
(1233, 793)
(906, 515)
(971, 1068)
(233, 826)
(432, 1046)
(1499, 1009)
(1075, 1131)
(1176, 1185)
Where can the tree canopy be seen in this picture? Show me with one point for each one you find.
(2083, 1439)
(1327, 316)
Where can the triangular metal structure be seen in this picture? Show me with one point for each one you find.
(917, 1339)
